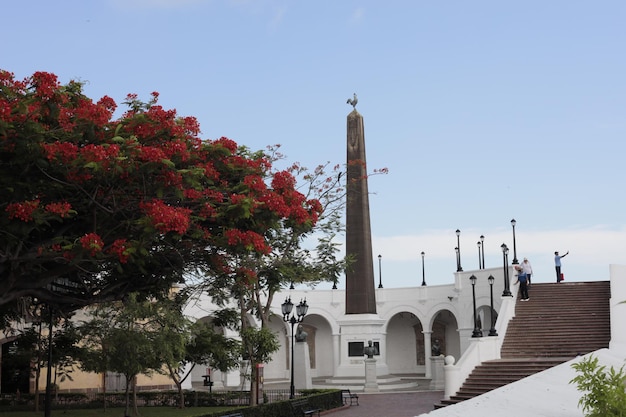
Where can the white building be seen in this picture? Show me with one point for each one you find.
(406, 324)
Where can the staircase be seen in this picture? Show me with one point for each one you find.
(558, 323)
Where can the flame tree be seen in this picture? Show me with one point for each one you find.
(94, 207)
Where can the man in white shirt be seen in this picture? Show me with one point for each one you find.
(526, 267)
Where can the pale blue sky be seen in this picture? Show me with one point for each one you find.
(483, 111)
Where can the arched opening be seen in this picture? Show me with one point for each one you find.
(445, 330)
(406, 354)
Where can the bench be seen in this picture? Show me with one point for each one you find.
(301, 408)
(349, 398)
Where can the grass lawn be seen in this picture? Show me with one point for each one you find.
(119, 412)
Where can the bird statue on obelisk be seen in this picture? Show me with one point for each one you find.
(360, 293)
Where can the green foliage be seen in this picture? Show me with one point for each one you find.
(604, 390)
(154, 336)
(31, 346)
(260, 343)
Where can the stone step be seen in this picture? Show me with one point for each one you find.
(545, 332)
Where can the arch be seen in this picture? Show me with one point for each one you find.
(406, 354)
(278, 366)
(319, 340)
(220, 379)
(444, 327)
(483, 316)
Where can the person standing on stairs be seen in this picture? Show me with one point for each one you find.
(523, 283)
(528, 269)
(557, 265)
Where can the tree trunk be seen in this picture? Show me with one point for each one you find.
(127, 395)
(104, 390)
(135, 409)
(37, 374)
(253, 384)
(179, 385)
(181, 395)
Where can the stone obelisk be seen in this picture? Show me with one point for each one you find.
(360, 293)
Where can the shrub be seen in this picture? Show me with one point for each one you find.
(604, 391)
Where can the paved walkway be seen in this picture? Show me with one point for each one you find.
(392, 404)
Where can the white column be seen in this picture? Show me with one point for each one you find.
(427, 353)
(618, 296)
(336, 352)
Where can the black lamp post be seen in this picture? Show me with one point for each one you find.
(505, 258)
(423, 274)
(458, 247)
(477, 332)
(61, 286)
(514, 261)
(48, 398)
(380, 273)
(480, 265)
(301, 310)
(482, 244)
(492, 331)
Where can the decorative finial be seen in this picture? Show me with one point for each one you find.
(353, 101)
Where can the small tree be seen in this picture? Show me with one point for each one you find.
(95, 336)
(124, 343)
(258, 346)
(31, 344)
(604, 391)
(181, 342)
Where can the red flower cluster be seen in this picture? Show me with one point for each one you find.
(248, 239)
(86, 111)
(62, 208)
(255, 183)
(45, 84)
(119, 248)
(102, 154)
(226, 143)
(23, 211)
(283, 180)
(65, 151)
(246, 275)
(151, 154)
(92, 242)
(167, 218)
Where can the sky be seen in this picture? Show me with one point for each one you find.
(482, 111)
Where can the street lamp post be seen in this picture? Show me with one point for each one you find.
(380, 273)
(458, 246)
(492, 330)
(482, 244)
(514, 262)
(60, 286)
(505, 258)
(301, 310)
(423, 274)
(477, 331)
(48, 398)
(480, 265)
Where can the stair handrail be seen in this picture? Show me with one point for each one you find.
(480, 349)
